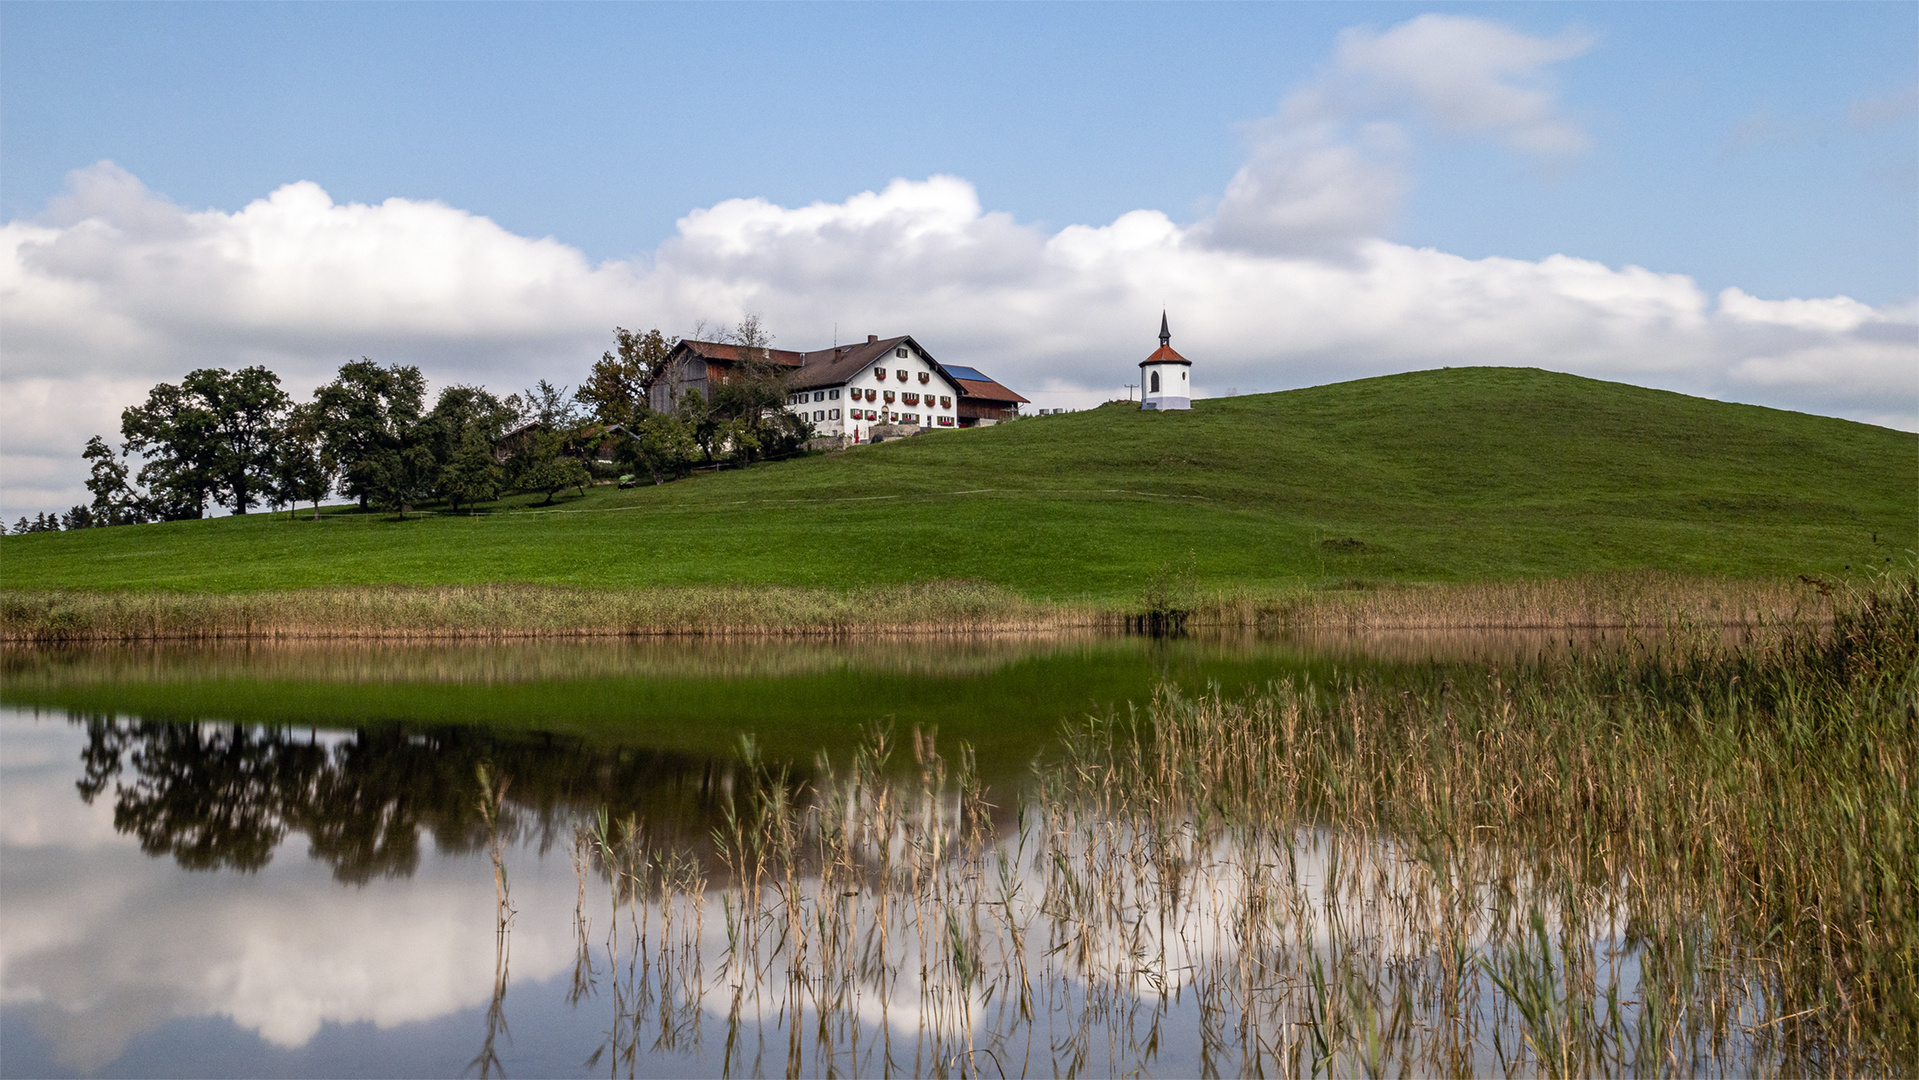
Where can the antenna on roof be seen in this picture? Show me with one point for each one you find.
(836, 335)
(1165, 335)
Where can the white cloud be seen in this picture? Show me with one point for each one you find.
(1467, 75)
(1329, 168)
(1288, 285)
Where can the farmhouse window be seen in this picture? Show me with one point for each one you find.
(870, 393)
(910, 399)
(900, 352)
(832, 414)
(832, 395)
(879, 373)
(926, 376)
(945, 402)
(901, 374)
(889, 397)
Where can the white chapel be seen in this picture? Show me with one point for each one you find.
(1165, 380)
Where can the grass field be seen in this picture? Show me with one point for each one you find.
(1455, 475)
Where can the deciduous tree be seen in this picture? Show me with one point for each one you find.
(115, 502)
(303, 467)
(621, 383)
(663, 445)
(368, 413)
(174, 432)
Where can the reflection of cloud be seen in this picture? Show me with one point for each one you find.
(115, 944)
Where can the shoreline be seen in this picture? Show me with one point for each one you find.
(507, 612)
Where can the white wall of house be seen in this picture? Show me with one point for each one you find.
(911, 391)
(1174, 391)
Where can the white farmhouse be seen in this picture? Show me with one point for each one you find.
(1165, 377)
(850, 389)
(847, 390)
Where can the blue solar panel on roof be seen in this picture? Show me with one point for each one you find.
(967, 373)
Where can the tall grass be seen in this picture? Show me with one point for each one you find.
(1644, 599)
(516, 611)
(1690, 857)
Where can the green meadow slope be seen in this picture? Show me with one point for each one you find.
(1460, 474)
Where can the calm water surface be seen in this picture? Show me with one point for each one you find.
(271, 861)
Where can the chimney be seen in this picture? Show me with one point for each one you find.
(872, 339)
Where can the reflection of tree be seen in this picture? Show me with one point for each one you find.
(224, 796)
(210, 797)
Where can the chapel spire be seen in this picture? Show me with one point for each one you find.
(1165, 335)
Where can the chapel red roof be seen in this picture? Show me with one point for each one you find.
(1165, 355)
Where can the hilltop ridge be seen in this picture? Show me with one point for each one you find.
(1450, 474)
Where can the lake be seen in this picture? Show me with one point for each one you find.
(709, 857)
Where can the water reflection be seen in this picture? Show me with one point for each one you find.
(225, 796)
(533, 859)
(105, 946)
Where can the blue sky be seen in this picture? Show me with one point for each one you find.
(1722, 144)
(1721, 199)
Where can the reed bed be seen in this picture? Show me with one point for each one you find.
(519, 611)
(1641, 598)
(1692, 857)
(371, 661)
(401, 613)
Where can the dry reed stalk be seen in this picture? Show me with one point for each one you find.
(1644, 599)
(1691, 858)
(395, 613)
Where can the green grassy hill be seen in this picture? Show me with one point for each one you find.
(1437, 475)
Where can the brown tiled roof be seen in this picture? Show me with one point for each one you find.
(1165, 355)
(831, 367)
(838, 365)
(986, 391)
(733, 354)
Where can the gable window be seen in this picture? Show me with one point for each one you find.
(879, 373)
(900, 352)
(902, 374)
(926, 376)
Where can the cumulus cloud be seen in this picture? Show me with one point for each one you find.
(1288, 284)
(1330, 167)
